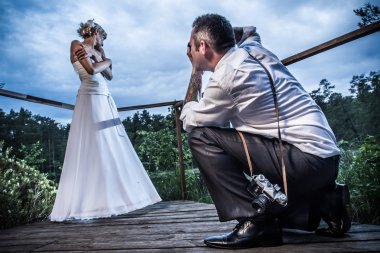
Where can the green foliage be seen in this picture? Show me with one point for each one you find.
(360, 169)
(155, 141)
(369, 14)
(158, 150)
(146, 122)
(354, 116)
(25, 193)
(21, 130)
(168, 185)
(196, 188)
(365, 107)
(33, 154)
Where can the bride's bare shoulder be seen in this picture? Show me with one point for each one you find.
(75, 44)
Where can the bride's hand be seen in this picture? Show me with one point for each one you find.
(83, 53)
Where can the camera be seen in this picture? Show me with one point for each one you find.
(265, 193)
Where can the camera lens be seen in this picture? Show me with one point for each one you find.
(261, 203)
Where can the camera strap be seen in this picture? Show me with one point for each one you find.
(283, 169)
(246, 153)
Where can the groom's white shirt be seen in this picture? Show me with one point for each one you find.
(239, 91)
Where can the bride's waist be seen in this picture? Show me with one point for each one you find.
(93, 88)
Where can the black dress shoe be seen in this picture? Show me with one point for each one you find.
(336, 212)
(249, 234)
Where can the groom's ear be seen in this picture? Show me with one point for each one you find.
(204, 47)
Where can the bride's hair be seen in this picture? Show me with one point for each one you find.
(87, 29)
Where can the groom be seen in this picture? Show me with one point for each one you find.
(239, 93)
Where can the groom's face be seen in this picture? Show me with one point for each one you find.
(197, 58)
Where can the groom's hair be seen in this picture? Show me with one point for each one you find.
(216, 30)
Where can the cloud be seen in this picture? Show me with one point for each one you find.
(147, 42)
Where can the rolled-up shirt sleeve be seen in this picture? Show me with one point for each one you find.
(214, 109)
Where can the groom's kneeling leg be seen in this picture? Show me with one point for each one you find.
(222, 171)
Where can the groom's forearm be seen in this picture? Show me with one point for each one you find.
(195, 86)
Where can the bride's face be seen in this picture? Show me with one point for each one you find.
(99, 39)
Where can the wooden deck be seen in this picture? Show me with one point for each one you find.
(175, 226)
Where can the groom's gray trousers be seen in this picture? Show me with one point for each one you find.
(220, 156)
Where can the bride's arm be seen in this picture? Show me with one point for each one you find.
(107, 73)
(79, 53)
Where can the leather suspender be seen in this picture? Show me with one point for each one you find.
(283, 169)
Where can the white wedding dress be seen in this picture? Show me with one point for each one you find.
(102, 174)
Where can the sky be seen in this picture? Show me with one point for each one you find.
(147, 44)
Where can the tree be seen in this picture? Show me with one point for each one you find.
(22, 130)
(142, 122)
(340, 112)
(322, 94)
(361, 86)
(369, 14)
(354, 116)
(366, 89)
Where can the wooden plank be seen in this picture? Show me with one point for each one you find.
(320, 248)
(178, 240)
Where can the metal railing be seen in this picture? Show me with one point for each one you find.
(348, 37)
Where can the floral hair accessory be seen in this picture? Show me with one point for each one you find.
(90, 22)
(88, 28)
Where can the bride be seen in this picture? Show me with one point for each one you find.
(101, 174)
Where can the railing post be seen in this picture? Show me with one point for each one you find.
(180, 152)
